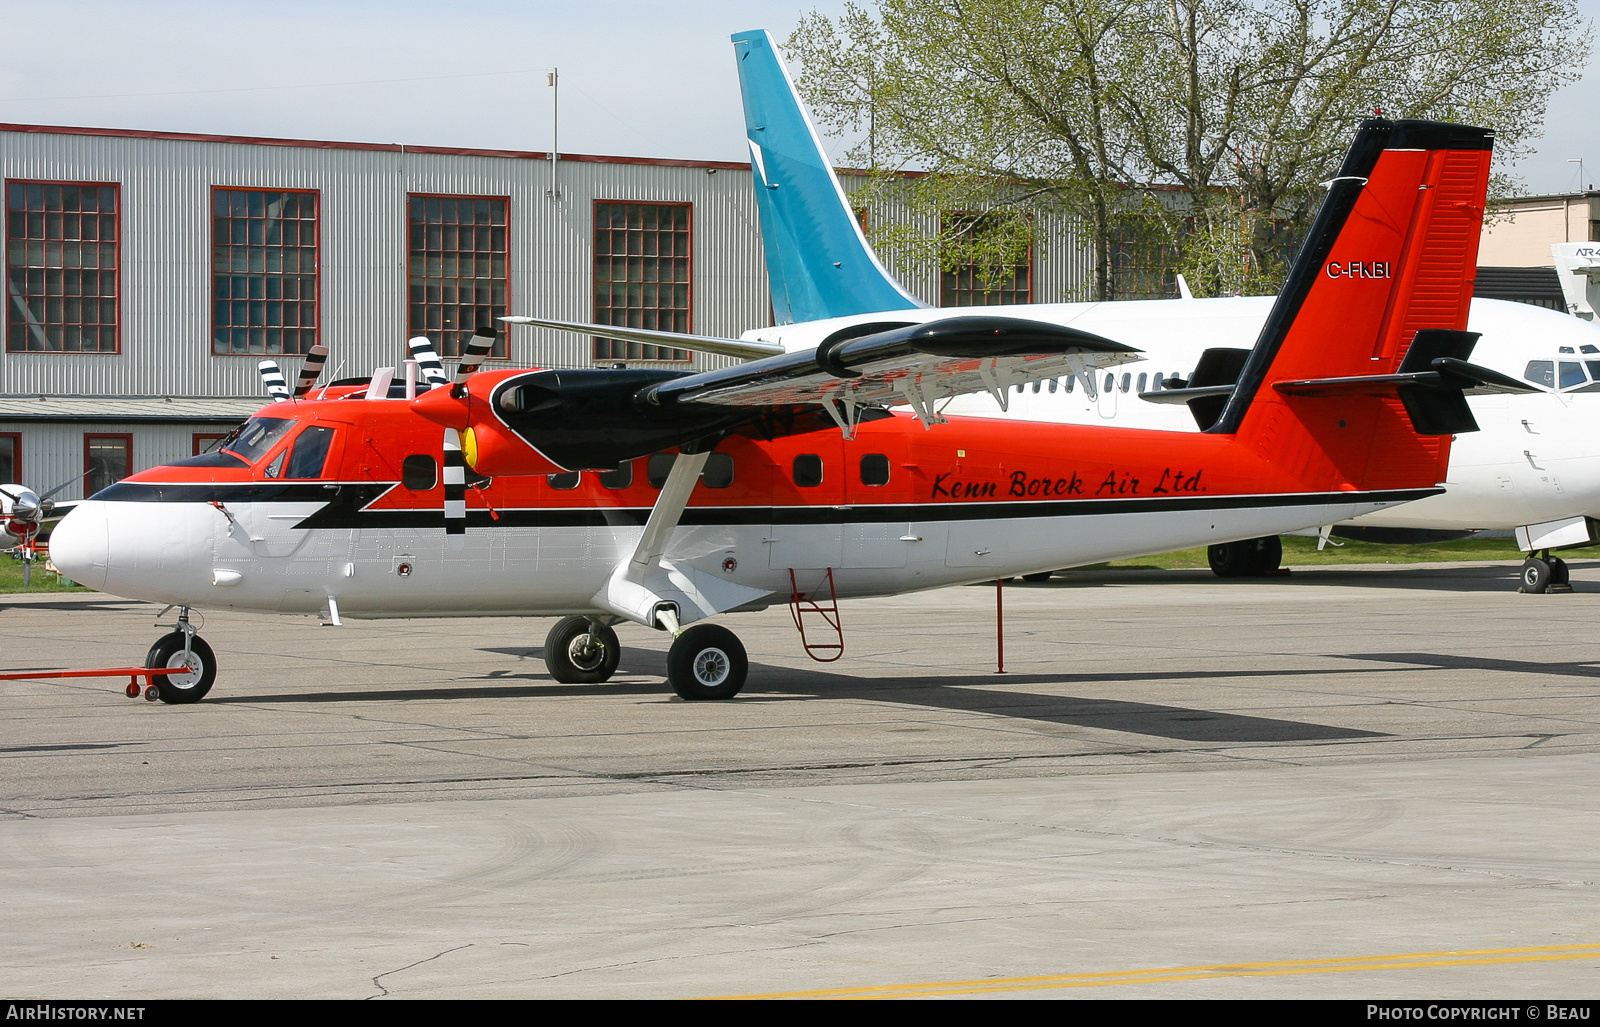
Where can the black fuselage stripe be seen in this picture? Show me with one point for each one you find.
(348, 515)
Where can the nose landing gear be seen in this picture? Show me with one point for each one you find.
(186, 650)
(1545, 573)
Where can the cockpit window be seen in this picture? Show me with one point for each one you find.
(1541, 372)
(258, 435)
(1571, 374)
(310, 452)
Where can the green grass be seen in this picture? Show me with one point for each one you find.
(1302, 552)
(43, 580)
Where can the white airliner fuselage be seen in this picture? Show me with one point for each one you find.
(1534, 461)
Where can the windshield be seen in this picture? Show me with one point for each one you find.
(257, 436)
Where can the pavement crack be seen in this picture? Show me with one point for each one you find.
(386, 973)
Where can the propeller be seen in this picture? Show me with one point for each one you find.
(22, 516)
(473, 353)
(310, 370)
(428, 362)
(272, 378)
(455, 490)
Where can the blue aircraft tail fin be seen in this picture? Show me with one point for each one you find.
(818, 262)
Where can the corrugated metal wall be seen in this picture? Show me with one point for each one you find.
(166, 245)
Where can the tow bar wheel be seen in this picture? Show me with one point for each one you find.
(707, 661)
(199, 665)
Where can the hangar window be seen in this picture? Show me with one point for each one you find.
(419, 472)
(642, 270)
(978, 283)
(205, 442)
(62, 264)
(620, 478)
(264, 247)
(458, 259)
(10, 456)
(107, 459)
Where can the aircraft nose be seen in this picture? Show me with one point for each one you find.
(80, 544)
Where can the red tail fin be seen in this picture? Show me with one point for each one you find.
(1392, 252)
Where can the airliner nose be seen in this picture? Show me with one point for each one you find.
(80, 544)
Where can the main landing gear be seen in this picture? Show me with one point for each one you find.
(1250, 558)
(581, 651)
(1545, 573)
(182, 648)
(706, 661)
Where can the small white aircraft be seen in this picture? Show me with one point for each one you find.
(1533, 468)
(664, 498)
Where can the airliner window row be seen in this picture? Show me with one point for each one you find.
(1145, 382)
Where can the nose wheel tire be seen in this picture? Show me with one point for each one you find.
(707, 661)
(579, 651)
(198, 663)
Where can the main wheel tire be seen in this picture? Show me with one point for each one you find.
(1535, 576)
(579, 651)
(707, 661)
(1229, 559)
(1269, 554)
(199, 663)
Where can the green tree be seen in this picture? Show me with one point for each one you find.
(1203, 125)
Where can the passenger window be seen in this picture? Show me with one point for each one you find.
(1541, 372)
(1072, 380)
(1036, 385)
(718, 472)
(564, 481)
(1141, 383)
(310, 452)
(1571, 374)
(1127, 380)
(620, 478)
(874, 469)
(808, 470)
(1054, 384)
(1111, 383)
(419, 472)
(657, 469)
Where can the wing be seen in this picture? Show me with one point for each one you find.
(918, 365)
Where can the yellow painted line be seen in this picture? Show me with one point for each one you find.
(1160, 975)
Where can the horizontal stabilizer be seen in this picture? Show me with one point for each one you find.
(1185, 395)
(742, 348)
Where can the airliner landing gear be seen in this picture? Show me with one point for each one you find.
(581, 651)
(183, 648)
(1250, 558)
(1545, 573)
(707, 661)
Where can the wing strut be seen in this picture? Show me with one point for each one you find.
(649, 588)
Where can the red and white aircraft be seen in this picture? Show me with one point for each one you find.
(665, 498)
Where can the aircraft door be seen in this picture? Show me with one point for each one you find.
(1106, 404)
(877, 482)
(808, 494)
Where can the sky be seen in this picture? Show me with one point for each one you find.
(642, 78)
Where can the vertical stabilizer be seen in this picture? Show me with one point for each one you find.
(818, 262)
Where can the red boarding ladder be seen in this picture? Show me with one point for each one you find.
(802, 605)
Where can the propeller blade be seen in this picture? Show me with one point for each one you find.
(311, 369)
(455, 490)
(70, 481)
(473, 353)
(428, 362)
(272, 378)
